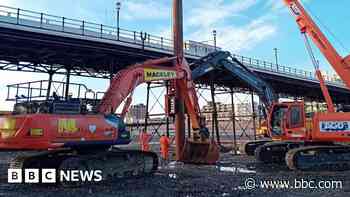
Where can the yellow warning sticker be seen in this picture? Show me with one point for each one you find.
(158, 74)
(8, 123)
(36, 132)
(7, 127)
(67, 126)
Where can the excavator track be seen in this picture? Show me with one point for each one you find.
(275, 152)
(45, 159)
(114, 163)
(319, 158)
(250, 147)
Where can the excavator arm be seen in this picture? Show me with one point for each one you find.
(197, 149)
(125, 81)
(188, 91)
(224, 60)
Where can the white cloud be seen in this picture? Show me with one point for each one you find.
(39, 5)
(275, 5)
(166, 33)
(144, 10)
(231, 36)
(214, 11)
(245, 38)
(239, 38)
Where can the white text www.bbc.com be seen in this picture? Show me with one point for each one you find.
(251, 183)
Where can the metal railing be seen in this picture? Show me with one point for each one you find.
(33, 19)
(84, 28)
(38, 90)
(286, 70)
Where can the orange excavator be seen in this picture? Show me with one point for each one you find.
(70, 138)
(316, 142)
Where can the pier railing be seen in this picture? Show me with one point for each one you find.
(87, 29)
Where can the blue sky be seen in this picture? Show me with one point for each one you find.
(246, 27)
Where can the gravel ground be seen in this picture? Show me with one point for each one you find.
(176, 179)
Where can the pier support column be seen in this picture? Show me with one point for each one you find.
(215, 122)
(48, 93)
(253, 114)
(233, 121)
(67, 82)
(167, 115)
(147, 105)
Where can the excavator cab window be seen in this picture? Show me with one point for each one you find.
(296, 117)
(277, 120)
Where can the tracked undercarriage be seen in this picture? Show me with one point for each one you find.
(305, 156)
(250, 147)
(114, 163)
(274, 152)
(319, 158)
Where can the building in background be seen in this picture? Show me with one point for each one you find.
(244, 123)
(225, 110)
(245, 109)
(136, 113)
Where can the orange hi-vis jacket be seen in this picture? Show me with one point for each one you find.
(164, 147)
(144, 141)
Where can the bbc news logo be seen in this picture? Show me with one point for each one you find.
(51, 176)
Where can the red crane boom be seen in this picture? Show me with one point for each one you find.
(307, 25)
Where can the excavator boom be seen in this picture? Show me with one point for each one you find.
(224, 60)
(126, 80)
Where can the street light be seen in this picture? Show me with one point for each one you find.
(276, 55)
(118, 5)
(214, 34)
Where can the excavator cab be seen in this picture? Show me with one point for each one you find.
(287, 121)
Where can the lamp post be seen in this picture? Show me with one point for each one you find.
(118, 5)
(214, 35)
(276, 55)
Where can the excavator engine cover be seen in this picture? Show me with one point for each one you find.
(199, 152)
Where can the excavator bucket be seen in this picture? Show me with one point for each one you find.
(198, 152)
